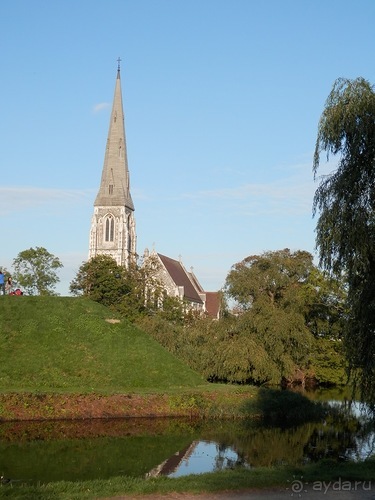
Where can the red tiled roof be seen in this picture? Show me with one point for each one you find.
(196, 283)
(213, 304)
(180, 278)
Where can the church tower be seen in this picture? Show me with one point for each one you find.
(113, 224)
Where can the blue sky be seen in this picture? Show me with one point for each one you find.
(222, 100)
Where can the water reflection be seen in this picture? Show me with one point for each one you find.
(102, 449)
(199, 457)
(86, 450)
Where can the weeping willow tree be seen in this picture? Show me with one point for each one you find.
(345, 204)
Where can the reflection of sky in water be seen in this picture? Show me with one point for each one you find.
(365, 448)
(365, 443)
(207, 457)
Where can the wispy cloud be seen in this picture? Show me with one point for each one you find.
(100, 106)
(291, 194)
(25, 198)
(139, 194)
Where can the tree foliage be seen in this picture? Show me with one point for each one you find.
(345, 202)
(289, 310)
(132, 291)
(35, 270)
(289, 281)
(268, 277)
(288, 306)
(101, 279)
(146, 292)
(285, 312)
(323, 301)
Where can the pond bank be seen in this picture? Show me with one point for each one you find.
(30, 406)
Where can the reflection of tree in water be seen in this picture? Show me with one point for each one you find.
(227, 458)
(365, 443)
(274, 446)
(343, 437)
(261, 446)
(329, 441)
(220, 457)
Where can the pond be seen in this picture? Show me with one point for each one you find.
(100, 449)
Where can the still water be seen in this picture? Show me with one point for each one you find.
(100, 449)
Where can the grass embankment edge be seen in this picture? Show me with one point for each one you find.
(217, 402)
(320, 477)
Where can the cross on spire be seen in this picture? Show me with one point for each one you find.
(118, 64)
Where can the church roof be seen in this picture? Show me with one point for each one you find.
(180, 277)
(195, 282)
(213, 304)
(115, 185)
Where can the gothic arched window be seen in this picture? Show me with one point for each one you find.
(129, 234)
(109, 228)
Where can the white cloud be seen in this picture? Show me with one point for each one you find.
(100, 106)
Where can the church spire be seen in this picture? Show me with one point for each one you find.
(115, 184)
(113, 225)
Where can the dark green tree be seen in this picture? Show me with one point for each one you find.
(132, 290)
(35, 270)
(288, 305)
(323, 302)
(268, 289)
(101, 279)
(268, 277)
(345, 202)
(145, 295)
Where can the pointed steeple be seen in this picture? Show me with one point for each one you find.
(113, 224)
(115, 184)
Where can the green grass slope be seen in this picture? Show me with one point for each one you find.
(66, 344)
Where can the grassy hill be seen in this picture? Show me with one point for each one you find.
(74, 345)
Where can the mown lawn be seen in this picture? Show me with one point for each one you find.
(74, 345)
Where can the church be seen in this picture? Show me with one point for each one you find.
(113, 229)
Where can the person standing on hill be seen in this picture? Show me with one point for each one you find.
(8, 285)
(2, 282)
